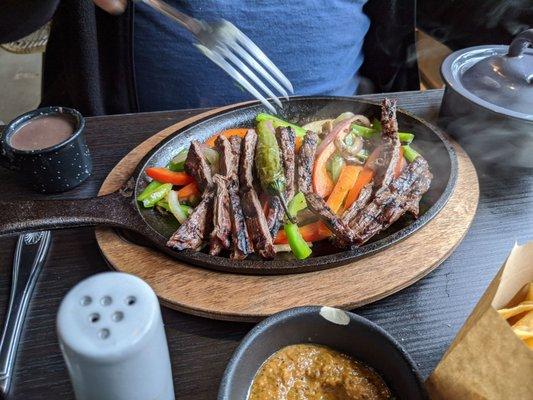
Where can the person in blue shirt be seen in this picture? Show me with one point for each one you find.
(129, 58)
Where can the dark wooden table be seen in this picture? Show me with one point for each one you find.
(424, 317)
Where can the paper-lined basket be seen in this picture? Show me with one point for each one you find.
(487, 360)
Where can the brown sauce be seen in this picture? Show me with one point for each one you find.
(314, 372)
(43, 132)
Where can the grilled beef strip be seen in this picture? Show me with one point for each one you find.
(344, 236)
(257, 224)
(197, 166)
(191, 234)
(241, 245)
(286, 139)
(235, 142)
(387, 159)
(362, 200)
(316, 203)
(227, 161)
(402, 195)
(306, 157)
(219, 238)
(274, 216)
(246, 161)
(287, 143)
(251, 207)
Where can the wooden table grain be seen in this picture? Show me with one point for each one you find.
(424, 317)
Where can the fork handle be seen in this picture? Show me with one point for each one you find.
(192, 24)
(29, 258)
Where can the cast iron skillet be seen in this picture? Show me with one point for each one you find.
(120, 209)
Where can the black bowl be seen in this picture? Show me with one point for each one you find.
(342, 331)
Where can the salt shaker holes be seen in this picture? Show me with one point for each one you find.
(86, 300)
(117, 316)
(94, 317)
(131, 300)
(106, 300)
(104, 333)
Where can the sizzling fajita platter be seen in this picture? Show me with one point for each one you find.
(321, 184)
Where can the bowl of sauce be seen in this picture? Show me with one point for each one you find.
(47, 148)
(312, 353)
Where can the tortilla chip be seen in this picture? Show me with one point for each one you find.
(529, 295)
(529, 343)
(523, 307)
(523, 328)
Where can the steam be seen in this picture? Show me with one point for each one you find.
(492, 140)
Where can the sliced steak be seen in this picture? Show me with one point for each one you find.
(286, 141)
(235, 142)
(362, 200)
(190, 235)
(306, 158)
(227, 160)
(385, 163)
(343, 234)
(239, 232)
(246, 162)
(274, 216)
(402, 195)
(197, 166)
(220, 236)
(257, 224)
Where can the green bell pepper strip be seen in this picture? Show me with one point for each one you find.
(277, 122)
(177, 164)
(164, 204)
(369, 133)
(151, 187)
(157, 195)
(297, 204)
(335, 164)
(363, 131)
(409, 153)
(406, 137)
(299, 246)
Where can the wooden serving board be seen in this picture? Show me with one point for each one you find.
(233, 297)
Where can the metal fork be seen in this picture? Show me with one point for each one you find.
(234, 52)
(29, 258)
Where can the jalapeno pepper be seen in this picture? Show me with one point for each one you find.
(268, 163)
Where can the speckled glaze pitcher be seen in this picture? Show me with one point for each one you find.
(54, 169)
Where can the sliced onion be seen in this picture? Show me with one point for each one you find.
(349, 153)
(360, 119)
(316, 126)
(341, 130)
(343, 116)
(175, 208)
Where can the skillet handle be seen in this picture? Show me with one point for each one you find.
(115, 209)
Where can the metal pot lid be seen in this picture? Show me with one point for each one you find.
(499, 78)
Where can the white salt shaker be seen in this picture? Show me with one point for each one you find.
(112, 338)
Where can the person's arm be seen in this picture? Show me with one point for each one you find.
(465, 23)
(19, 18)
